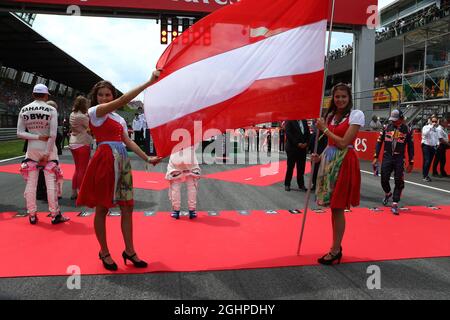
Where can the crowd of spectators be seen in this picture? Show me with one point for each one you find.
(388, 80)
(341, 52)
(401, 26)
(16, 96)
(13, 97)
(414, 21)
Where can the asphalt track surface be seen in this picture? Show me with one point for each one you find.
(401, 279)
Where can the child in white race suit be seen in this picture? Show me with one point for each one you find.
(183, 168)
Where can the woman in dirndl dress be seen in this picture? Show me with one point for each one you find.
(108, 180)
(339, 177)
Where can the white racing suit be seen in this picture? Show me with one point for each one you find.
(53, 178)
(183, 168)
(35, 120)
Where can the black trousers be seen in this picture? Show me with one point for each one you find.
(440, 159)
(59, 143)
(138, 137)
(281, 142)
(394, 163)
(315, 173)
(428, 155)
(295, 159)
(63, 140)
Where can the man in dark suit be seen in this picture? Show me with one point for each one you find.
(297, 142)
(322, 144)
(282, 136)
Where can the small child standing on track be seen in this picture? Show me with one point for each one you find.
(183, 168)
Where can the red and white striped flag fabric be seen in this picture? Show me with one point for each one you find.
(252, 62)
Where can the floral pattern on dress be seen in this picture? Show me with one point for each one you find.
(330, 164)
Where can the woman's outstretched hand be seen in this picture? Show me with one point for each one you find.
(315, 158)
(154, 160)
(155, 75)
(321, 125)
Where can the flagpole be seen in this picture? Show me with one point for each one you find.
(316, 142)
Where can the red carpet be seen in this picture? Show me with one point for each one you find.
(260, 175)
(227, 241)
(141, 179)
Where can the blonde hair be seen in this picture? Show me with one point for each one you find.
(53, 104)
(80, 104)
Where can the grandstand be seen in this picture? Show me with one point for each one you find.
(29, 59)
(412, 60)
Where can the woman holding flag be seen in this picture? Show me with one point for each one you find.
(108, 180)
(339, 177)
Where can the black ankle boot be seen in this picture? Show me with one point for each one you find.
(33, 219)
(59, 218)
(192, 214)
(175, 214)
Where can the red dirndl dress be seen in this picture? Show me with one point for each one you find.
(347, 187)
(100, 181)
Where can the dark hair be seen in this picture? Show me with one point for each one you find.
(97, 87)
(332, 108)
(80, 104)
(39, 95)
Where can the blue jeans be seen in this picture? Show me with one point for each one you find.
(428, 155)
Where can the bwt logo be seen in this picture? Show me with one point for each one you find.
(361, 145)
(219, 2)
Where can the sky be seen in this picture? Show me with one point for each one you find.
(123, 51)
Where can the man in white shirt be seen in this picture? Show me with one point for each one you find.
(430, 142)
(38, 123)
(149, 147)
(441, 156)
(375, 124)
(137, 128)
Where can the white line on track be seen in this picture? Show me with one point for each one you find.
(367, 172)
(414, 183)
(6, 160)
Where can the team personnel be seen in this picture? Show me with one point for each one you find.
(430, 143)
(38, 124)
(396, 136)
(441, 157)
(137, 128)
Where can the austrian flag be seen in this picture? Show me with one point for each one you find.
(252, 62)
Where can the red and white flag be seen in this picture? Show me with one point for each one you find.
(252, 62)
